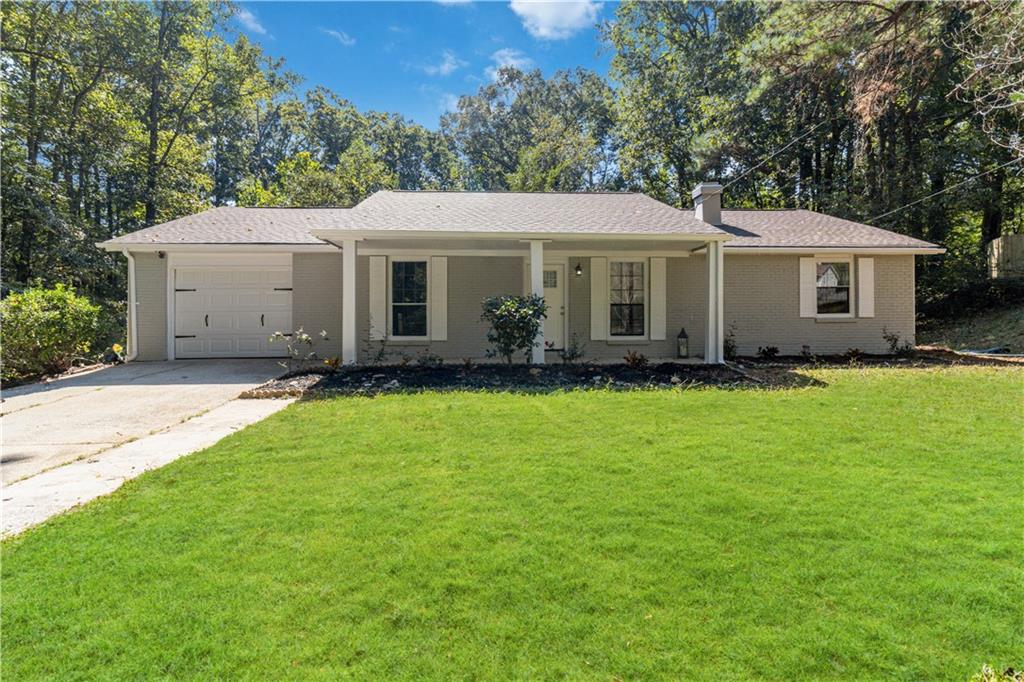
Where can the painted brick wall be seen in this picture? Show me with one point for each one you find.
(316, 299)
(762, 306)
(470, 280)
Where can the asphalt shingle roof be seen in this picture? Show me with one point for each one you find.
(600, 213)
(611, 213)
(801, 228)
(234, 225)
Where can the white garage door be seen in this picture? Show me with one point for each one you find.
(230, 312)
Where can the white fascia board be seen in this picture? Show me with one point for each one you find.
(341, 235)
(811, 251)
(218, 248)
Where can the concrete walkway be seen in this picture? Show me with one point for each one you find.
(47, 425)
(33, 500)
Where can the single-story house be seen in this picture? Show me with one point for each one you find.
(620, 271)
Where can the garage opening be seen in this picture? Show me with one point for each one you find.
(231, 311)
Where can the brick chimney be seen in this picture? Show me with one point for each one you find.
(707, 202)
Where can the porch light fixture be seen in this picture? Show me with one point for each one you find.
(683, 343)
(579, 269)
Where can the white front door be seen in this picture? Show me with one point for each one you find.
(554, 296)
(230, 312)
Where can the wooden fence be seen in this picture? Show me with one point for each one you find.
(1006, 256)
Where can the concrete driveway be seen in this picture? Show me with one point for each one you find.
(46, 425)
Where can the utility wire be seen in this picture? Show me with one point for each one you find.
(772, 156)
(941, 191)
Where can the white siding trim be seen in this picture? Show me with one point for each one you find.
(598, 299)
(865, 287)
(808, 288)
(658, 299)
(437, 294)
(378, 298)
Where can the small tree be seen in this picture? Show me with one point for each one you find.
(515, 322)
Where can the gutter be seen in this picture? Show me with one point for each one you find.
(133, 320)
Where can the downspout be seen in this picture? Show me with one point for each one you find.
(133, 322)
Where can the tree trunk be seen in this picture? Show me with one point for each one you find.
(153, 115)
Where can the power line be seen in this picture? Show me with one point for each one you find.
(772, 156)
(941, 191)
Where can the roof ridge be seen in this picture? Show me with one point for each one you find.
(508, 191)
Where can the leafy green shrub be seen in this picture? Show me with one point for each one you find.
(43, 331)
(767, 352)
(515, 322)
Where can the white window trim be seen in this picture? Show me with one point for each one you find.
(391, 336)
(853, 290)
(613, 338)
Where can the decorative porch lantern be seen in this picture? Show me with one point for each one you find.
(683, 343)
(579, 269)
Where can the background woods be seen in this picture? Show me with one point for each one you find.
(122, 115)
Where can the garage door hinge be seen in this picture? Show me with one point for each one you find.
(185, 336)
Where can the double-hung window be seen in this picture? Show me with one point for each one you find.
(626, 297)
(833, 287)
(409, 299)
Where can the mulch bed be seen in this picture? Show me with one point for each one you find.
(782, 372)
(490, 377)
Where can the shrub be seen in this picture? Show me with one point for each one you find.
(43, 331)
(515, 322)
(767, 352)
(574, 351)
(299, 346)
(428, 359)
(729, 343)
(902, 350)
(635, 360)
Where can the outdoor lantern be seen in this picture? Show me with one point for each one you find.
(579, 269)
(683, 342)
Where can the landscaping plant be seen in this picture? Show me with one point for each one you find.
(43, 331)
(299, 346)
(515, 322)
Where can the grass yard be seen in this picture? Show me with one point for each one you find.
(868, 529)
(1004, 327)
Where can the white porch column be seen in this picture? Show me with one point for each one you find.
(714, 339)
(348, 302)
(537, 289)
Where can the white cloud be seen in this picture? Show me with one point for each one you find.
(507, 56)
(449, 63)
(249, 21)
(555, 20)
(342, 37)
(449, 102)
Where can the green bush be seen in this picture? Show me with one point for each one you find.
(515, 322)
(42, 331)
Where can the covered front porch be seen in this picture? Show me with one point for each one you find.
(419, 296)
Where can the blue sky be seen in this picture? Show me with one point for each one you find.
(416, 58)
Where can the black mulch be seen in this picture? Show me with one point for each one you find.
(782, 372)
(491, 377)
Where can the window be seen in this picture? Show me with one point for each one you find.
(833, 287)
(626, 279)
(409, 299)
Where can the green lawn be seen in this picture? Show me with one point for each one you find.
(1004, 327)
(870, 528)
